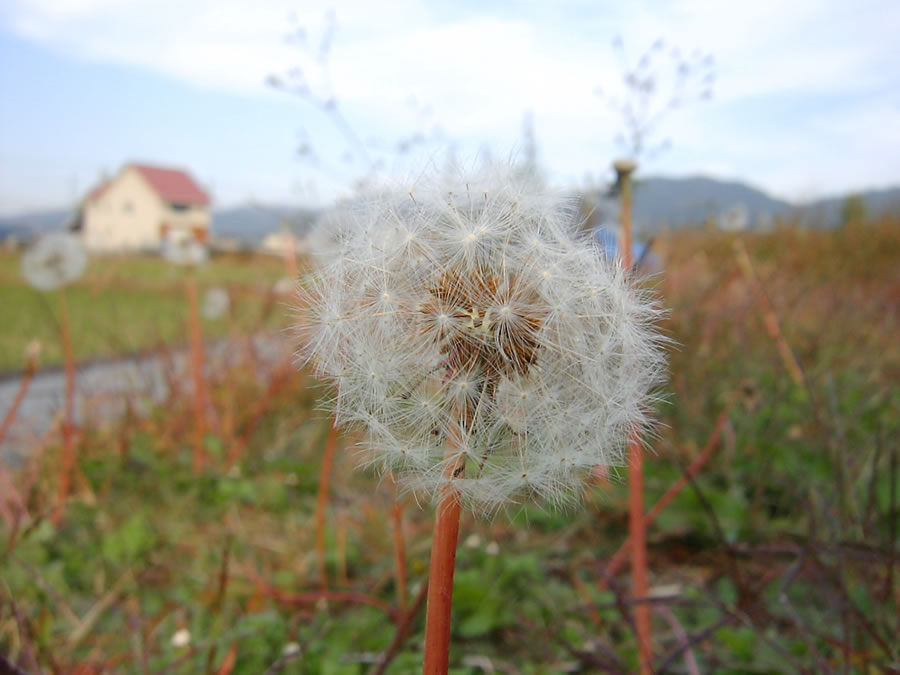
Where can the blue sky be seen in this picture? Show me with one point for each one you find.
(806, 101)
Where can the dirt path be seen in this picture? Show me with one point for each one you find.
(104, 389)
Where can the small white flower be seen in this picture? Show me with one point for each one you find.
(181, 638)
(493, 548)
(290, 649)
(473, 541)
(215, 303)
(454, 339)
(56, 259)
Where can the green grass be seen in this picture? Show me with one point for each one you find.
(131, 304)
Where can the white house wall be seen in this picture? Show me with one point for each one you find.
(129, 216)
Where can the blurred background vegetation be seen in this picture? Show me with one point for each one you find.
(779, 555)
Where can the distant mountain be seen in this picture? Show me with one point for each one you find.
(658, 202)
(680, 202)
(27, 225)
(689, 201)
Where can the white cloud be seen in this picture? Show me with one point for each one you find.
(481, 69)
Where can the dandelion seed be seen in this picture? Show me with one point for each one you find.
(507, 337)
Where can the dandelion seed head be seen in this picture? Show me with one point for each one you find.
(216, 302)
(496, 336)
(55, 260)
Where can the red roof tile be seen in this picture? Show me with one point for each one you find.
(173, 185)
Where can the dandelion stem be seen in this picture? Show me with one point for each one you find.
(620, 556)
(636, 523)
(69, 407)
(197, 360)
(30, 370)
(440, 578)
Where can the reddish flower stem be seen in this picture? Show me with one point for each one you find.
(440, 579)
(239, 444)
(68, 430)
(620, 556)
(197, 367)
(769, 318)
(309, 598)
(636, 525)
(30, 370)
(402, 632)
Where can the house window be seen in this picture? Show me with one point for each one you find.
(175, 206)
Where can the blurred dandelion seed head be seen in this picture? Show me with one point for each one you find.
(216, 302)
(55, 260)
(473, 323)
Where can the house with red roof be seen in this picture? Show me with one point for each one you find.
(142, 208)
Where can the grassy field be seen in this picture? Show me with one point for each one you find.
(779, 555)
(128, 304)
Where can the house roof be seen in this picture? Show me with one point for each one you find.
(97, 191)
(172, 185)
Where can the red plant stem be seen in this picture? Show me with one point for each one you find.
(638, 528)
(313, 597)
(30, 369)
(402, 631)
(197, 366)
(769, 318)
(620, 556)
(636, 525)
(239, 444)
(322, 503)
(440, 579)
(68, 463)
(399, 553)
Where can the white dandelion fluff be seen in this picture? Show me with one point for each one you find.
(55, 260)
(216, 302)
(472, 325)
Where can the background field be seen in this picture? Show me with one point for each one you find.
(130, 303)
(779, 555)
